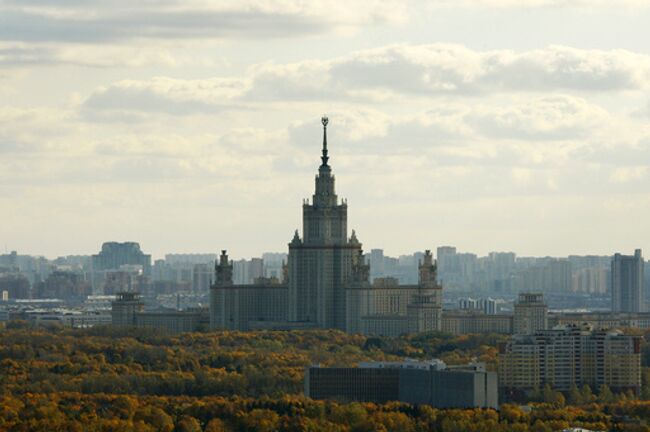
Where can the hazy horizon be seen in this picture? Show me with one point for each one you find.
(191, 127)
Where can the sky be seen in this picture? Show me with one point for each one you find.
(194, 125)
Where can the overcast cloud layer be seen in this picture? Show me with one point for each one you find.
(194, 126)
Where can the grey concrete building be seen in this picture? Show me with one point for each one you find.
(262, 304)
(173, 321)
(467, 322)
(627, 283)
(125, 307)
(431, 383)
(602, 320)
(114, 255)
(386, 308)
(128, 310)
(531, 313)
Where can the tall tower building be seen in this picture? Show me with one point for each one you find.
(125, 307)
(320, 263)
(531, 313)
(425, 310)
(627, 283)
(223, 271)
(115, 254)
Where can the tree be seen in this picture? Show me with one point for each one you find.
(548, 395)
(540, 426)
(188, 424)
(216, 425)
(156, 417)
(605, 394)
(587, 394)
(261, 420)
(574, 397)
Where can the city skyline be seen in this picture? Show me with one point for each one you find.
(193, 127)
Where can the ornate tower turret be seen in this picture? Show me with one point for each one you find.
(223, 270)
(428, 271)
(360, 270)
(425, 310)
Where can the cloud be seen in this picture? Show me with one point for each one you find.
(20, 54)
(525, 4)
(35, 130)
(167, 95)
(395, 72)
(546, 118)
(121, 20)
(439, 69)
(629, 174)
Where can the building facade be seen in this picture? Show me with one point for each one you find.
(326, 282)
(627, 283)
(320, 263)
(432, 383)
(262, 304)
(128, 310)
(569, 356)
(531, 313)
(602, 320)
(114, 255)
(125, 307)
(470, 322)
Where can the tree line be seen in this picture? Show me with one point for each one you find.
(121, 379)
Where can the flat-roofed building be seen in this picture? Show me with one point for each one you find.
(468, 322)
(173, 321)
(568, 356)
(602, 320)
(432, 383)
(627, 283)
(124, 308)
(530, 313)
(128, 310)
(384, 325)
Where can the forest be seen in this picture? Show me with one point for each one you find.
(117, 379)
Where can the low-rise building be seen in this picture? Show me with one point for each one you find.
(128, 310)
(66, 317)
(432, 383)
(173, 321)
(468, 322)
(602, 320)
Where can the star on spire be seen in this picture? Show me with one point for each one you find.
(324, 158)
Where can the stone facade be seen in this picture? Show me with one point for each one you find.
(326, 282)
(128, 310)
(237, 307)
(468, 322)
(531, 313)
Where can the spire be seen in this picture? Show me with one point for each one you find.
(296, 238)
(324, 158)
